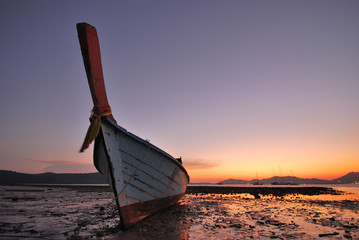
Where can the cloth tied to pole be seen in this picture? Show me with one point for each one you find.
(94, 127)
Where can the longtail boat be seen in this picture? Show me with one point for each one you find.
(144, 178)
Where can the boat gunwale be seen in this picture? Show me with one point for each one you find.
(147, 143)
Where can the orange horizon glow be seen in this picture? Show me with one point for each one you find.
(202, 176)
(309, 157)
(253, 169)
(199, 178)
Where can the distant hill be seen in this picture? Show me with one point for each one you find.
(349, 178)
(11, 177)
(293, 180)
(234, 181)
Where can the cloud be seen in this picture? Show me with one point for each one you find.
(196, 164)
(65, 166)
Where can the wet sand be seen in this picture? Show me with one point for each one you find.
(53, 212)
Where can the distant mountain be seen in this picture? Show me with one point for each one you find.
(11, 177)
(233, 181)
(293, 180)
(349, 178)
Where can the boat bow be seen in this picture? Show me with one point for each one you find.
(143, 177)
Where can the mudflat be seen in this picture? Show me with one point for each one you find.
(90, 212)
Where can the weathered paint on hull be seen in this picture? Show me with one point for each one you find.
(144, 178)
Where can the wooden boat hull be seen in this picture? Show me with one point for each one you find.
(144, 178)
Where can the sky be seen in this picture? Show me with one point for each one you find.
(236, 88)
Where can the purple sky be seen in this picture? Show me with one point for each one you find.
(234, 87)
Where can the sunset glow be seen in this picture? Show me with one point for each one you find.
(236, 88)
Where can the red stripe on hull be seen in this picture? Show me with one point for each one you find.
(133, 213)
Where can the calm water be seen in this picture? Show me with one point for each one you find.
(351, 190)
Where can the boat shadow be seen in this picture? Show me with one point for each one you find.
(171, 223)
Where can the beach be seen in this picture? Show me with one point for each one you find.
(220, 212)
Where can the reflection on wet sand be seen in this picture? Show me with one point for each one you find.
(241, 216)
(90, 213)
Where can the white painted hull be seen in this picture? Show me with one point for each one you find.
(144, 178)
